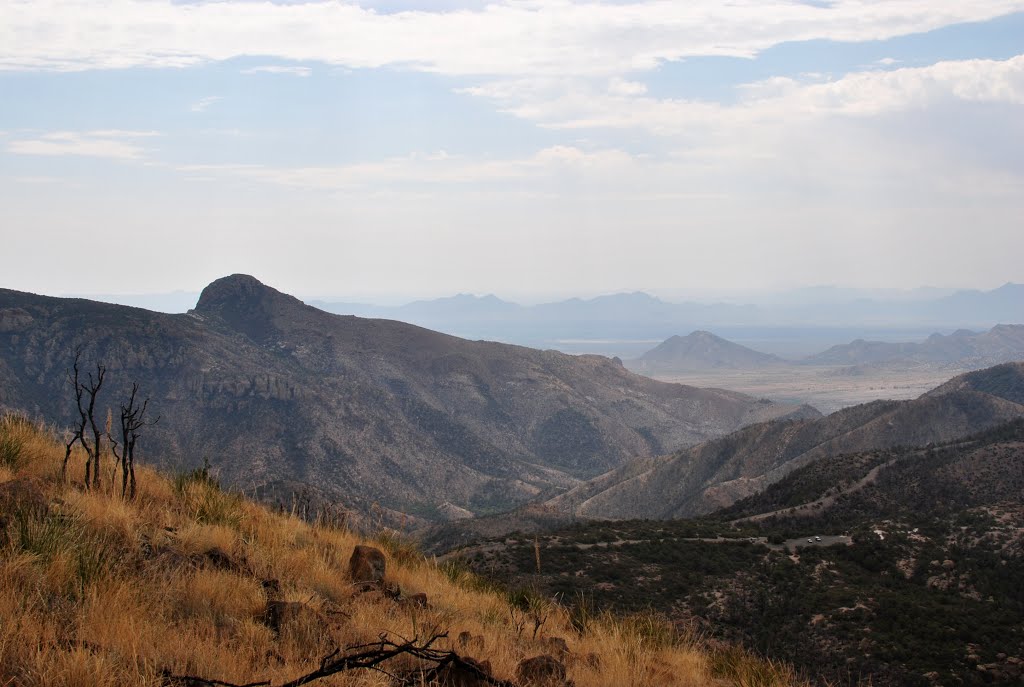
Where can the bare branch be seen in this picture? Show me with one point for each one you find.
(370, 657)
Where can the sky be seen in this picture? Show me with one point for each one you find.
(380, 150)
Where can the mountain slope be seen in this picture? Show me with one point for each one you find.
(189, 584)
(889, 567)
(719, 472)
(282, 396)
(700, 350)
(1002, 343)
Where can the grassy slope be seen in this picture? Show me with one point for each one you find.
(101, 591)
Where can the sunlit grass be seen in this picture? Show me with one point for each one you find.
(103, 591)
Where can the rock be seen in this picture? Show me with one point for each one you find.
(467, 672)
(272, 588)
(416, 601)
(541, 670)
(367, 565)
(471, 642)
(218, 558)
(556, 645)
(279, 613)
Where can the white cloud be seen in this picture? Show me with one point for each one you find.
(279, 69)
(204, 103)
(112, 144)
(583, 104)
(509, 38)
(433, 169)
(619, 86)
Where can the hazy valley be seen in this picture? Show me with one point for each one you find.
(840, 376)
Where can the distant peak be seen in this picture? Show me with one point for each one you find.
(246, 304)
(231, 291)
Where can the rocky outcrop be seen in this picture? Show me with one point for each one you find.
(541, 671)
(367, 565)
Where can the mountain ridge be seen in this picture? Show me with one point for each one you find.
(366, 411)
(715, 474)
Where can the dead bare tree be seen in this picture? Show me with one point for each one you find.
(89, 388)
(370, 657)
(133, 418)
(78, 430)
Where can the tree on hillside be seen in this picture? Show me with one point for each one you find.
(133, 418)
(84, 389)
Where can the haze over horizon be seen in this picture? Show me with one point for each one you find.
(383, 152)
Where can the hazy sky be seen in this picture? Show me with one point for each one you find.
(522, 147)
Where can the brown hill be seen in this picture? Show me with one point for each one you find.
(719, 472)
(280, 395)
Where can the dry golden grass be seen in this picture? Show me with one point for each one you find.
(106, 592)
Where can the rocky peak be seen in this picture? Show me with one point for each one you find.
(245, 303)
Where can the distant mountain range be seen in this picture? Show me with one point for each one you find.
(619, 324)
(791, 324)
(721, 471)
(281, 396)
(963, 349)
(1002, 343)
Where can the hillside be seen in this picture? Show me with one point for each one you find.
(979, 471)
(718, 472)
(964, 348)
(700, 350)
(190, 585)
(378, 414)
(1005, 381)
(890, 567)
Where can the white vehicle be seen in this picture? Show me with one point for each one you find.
(810, 541)
(817, 539)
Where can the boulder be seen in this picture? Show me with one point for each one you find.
(367, 565)
(218, 558)
(541, 670)
(466, 672)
